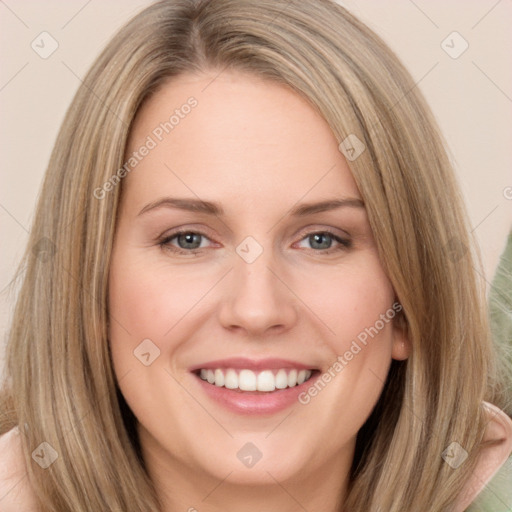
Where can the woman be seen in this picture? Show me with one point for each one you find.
(242, 288)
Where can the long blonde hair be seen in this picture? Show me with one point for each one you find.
(60, 385)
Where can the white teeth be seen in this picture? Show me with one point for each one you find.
(219, 378)
(266, 381)
(231, 379)
(292, 378)
(281, 379)
(248, 380)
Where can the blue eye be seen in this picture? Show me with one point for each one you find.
(187, 242)
(191, 242)
(322, 241)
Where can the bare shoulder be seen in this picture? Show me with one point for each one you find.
(15, 492)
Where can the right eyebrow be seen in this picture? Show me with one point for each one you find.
(192, 205)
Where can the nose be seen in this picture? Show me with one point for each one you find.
(257, 299)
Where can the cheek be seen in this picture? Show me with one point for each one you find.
(147, 302)
(355, 306)
(354, 302)
(361, 316)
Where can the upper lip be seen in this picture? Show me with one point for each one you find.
(251, 364)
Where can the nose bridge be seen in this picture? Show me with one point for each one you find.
(252, 267)
(254, 280)
(256, 299)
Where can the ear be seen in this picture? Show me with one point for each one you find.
(402, 346)
(496, 448)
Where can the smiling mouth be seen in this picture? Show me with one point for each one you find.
(245, 380)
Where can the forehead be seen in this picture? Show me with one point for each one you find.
(236, 137)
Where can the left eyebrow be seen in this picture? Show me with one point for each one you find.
(323, 206)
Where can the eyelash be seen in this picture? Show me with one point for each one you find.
(165, 244)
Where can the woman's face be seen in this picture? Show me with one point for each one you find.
(275, 279)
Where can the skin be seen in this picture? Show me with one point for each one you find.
(257, 149)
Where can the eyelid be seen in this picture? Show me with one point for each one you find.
(164, 240)
(319, 228)
(343, 240)
(341, 243)
(185, 228)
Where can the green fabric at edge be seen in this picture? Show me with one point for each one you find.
(497, 496)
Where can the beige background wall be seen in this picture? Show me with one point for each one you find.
(471, 96)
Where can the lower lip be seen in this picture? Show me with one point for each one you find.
(254, 403)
